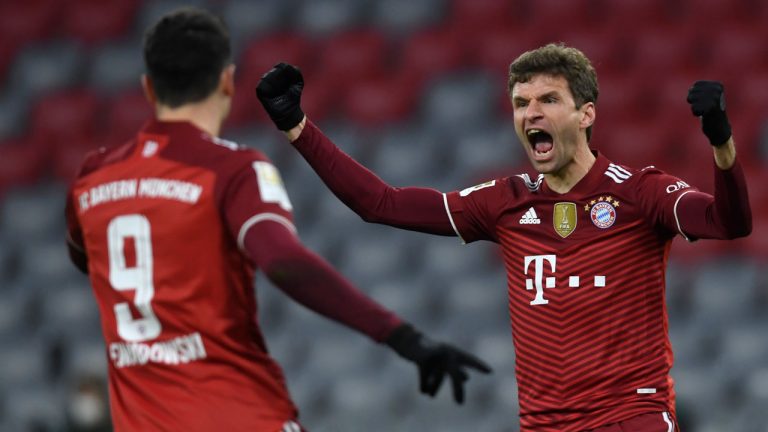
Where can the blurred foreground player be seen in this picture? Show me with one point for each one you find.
(171, 227)
(585, 243)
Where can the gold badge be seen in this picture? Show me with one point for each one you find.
(564, 218)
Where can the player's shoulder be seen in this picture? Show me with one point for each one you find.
(219, 155)
(231, 150)
(505, 188)
(102, 157)
(648, 178)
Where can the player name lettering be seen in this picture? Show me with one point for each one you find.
(179, 350)
(118, 190)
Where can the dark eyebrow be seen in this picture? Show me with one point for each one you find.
(553, 93)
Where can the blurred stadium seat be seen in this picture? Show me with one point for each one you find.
(96, 21)
(415, 89)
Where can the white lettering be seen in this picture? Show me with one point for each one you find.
(170, 189)
(180, 350)
(538, 282)
(677, 186)
(112, 191)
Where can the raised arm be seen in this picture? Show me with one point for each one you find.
(309, 280)
(727, 215)
(411, 208)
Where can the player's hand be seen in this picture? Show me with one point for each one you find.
(435, 360)
(279, 91)
(707, 99)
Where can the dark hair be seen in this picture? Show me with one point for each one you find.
(558, 60)
(185, 52)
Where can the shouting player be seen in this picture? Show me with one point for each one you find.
(585, 243)
(171, 227)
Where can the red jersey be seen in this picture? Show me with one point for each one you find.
(585, 273)
(162, 221)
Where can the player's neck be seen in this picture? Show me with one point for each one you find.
(565, 179)
(206, 115)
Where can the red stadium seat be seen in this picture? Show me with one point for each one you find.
(634, 15)
(62, 116)
(736, 49)
(567, 15)
(432, 52)
(619, 100)
(706, 12)
(497, 47)
(660, 50)
(631, 143)
(475, 16)
(126, 113)
(94, 21)
(28, 21)
(380, 101)
(20, 164)
(354, 55)
(605, 49)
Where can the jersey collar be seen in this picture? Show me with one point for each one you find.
(588, 183)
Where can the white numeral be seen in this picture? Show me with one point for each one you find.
(138, 278)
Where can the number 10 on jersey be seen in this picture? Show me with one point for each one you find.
(137, 278)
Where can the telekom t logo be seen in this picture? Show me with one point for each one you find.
(539, 282)
(538, 276)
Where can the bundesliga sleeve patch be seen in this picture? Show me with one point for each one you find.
(271, 186)
(469, 190)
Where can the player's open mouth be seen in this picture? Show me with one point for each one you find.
(541, 141)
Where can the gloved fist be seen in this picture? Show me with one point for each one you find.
(435, 360)
(279, 91)
(707, 99)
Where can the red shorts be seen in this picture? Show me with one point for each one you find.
(655, 422)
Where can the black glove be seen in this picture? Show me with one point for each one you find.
(434, 360)
(279, 90)
(707, 99)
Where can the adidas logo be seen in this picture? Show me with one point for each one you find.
(530, 218)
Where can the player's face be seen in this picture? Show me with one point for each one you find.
(549, 125)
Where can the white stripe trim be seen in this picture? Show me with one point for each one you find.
(612, 176)
(677, 220)
(620, 170)
(260, 218)
(668, 421)
(619, 173)
(450, 218)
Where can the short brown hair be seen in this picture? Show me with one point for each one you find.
(558, 60)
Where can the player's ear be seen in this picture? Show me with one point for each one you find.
(149, 89)
(587, 114)
(227, 80)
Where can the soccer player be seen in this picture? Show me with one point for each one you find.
(585, 243)
(171, 227)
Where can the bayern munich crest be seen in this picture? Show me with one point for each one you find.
(602, 212)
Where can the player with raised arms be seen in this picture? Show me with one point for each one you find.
(585, 243)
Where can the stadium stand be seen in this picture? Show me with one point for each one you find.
(416, 90)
